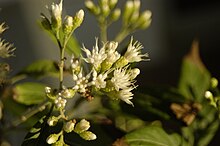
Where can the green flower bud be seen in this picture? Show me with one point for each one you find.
(88, 135)
(112, 3)
(135, 13)
(144, 20)
(69, 126)
(68, 25)
(128, 10)
(214, 82)
(121, 62)
(92, 8)
(52, 138)
(105, 8)
(52, 121)
(115, 15)
(82, 126)
(78, 19)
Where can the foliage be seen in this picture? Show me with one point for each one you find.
(90, 111)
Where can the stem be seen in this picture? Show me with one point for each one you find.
(103, 30)
(30, 113)
(121, 35)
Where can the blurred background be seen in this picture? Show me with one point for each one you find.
(176, 23)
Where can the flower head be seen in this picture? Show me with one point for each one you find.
(96, 57)
(6, 49)
(126, 95)
(121, 79)
(56, 10)
(133, 53)
(99, 80)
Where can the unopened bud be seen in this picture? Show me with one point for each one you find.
(144, 20)
(121, 62)
(68, 93)
(68, 25)
(82, 126)
(208, 95)
(112, 3)
(52, 121)
(52, 138)
(69, 126)
(78, 19)
(88, 135)
(128, 10)
(214, 82)
(134, 73)
(48, 90)
(115, 14)
(91, 7)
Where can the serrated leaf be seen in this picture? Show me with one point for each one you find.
(41, 68)
(152, 136)
(195, 78)
(29, 93)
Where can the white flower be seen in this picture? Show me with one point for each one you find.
(6, 49)
(96, 57)
(60, 102)
(81, 82)
(126, 95)
(112, 54)
(121, 79)
(133, 53)
(56, 10)
(99, 80)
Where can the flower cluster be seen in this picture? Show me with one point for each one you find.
(110, 72)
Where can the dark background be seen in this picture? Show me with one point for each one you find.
(176, 23)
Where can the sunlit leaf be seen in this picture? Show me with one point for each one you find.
(195, 78)
(29, 93)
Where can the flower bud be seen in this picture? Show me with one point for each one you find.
(112, 3)
(68, 93)
(78, 19)
(88, 135)
(144, 20)
(69, 126)
(52, 138)
(48, 90)
(52, 121)
(134, 73)
(115, 14)
(68, 25)
(92, 8)
(82, 126)
(214, 82)
(128, 10)
(208, 95)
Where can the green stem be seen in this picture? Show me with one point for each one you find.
(29, 114)
(121, 35)
(103, 31)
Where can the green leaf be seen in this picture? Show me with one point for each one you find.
(73, 46)
(195, 78)
(152, 136)
(41, 68)
(29, 93)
